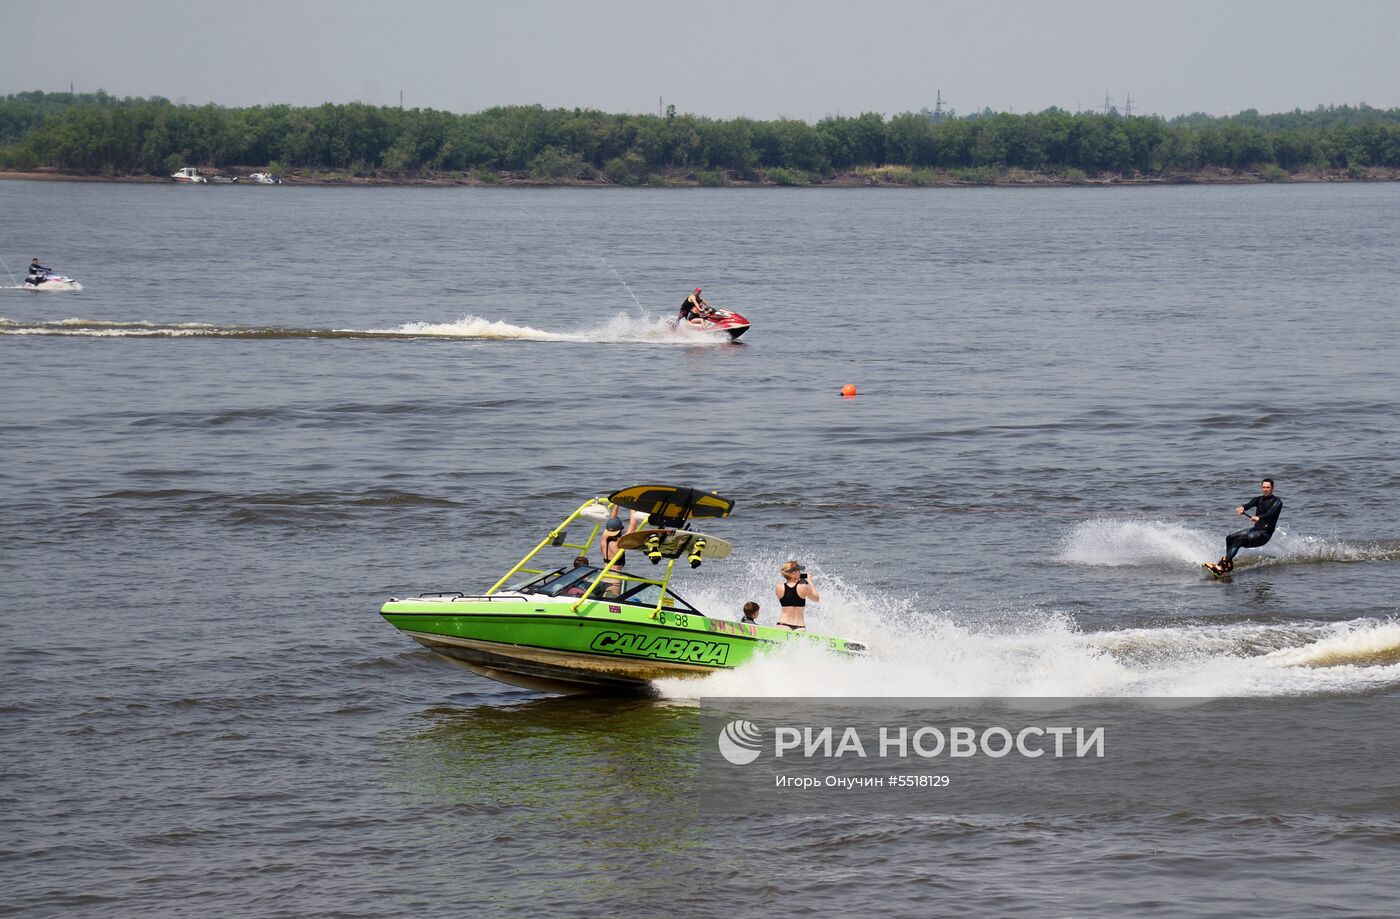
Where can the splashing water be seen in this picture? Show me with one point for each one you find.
(52, 287)
(467, 327)
(620, 329)
(1121, 543)
(1354, 644)
(618, 274)
(1131, 542)
(917, 650)
(946, 658)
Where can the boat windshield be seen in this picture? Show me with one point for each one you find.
(552, 582)
(648, 594)
(573, 582)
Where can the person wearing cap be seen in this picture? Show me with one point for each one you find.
(694, 308)
(613, 530)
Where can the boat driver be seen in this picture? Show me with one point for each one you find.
(37, 273)
(694, 308)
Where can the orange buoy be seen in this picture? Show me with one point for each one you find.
(848, 390)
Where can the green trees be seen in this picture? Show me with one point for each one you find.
(1098, 143)
(99, 133)
(850, 142)
(909, 141)
(729, 145)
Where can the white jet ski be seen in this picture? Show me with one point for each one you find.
(50, 281)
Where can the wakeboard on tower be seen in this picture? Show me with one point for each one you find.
(668, 508)
(659, 544)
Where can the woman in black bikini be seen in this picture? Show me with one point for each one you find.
(793, 593)
(607, 545)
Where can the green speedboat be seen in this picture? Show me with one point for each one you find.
(591, 628)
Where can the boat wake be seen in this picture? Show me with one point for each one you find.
(1136, 543)
(53, 287)
(620, 329)
(918, 652)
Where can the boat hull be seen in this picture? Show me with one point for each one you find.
(547, 670)
(542, 643)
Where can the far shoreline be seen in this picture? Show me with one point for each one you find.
(875, 177)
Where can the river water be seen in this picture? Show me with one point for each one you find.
(269, 409)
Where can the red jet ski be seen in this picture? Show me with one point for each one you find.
(716, 320)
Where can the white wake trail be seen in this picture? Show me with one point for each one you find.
(1108, 542)
(920, 650)
(620, 329)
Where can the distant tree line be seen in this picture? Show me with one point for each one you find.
(101, 134)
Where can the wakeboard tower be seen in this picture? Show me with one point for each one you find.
(589, 628)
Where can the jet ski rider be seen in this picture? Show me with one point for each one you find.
(694, 308)
(38, 274)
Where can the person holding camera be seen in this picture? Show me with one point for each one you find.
(793, 593)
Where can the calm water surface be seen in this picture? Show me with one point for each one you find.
(272, 408)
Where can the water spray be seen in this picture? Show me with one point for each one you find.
(16, 283)
(624, 283)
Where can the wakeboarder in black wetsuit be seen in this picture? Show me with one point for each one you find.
(1266, 508)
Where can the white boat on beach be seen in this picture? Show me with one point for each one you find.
(189, 176)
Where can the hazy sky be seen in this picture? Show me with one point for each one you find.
(723, 59)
